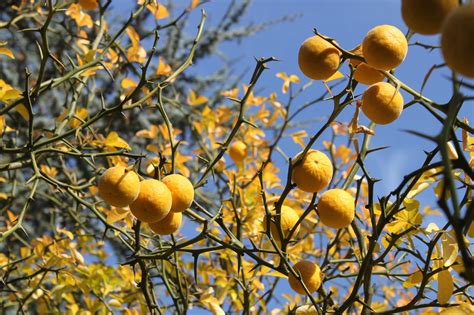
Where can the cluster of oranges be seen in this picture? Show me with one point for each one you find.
(383, 49)
(158, 203)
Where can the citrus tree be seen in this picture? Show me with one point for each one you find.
(130, 184)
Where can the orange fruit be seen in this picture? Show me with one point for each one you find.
(314, 172)
(318, 59)
(168, 225)
(384, 47)
(118, 186)
(182, 191)
(310, 275)
(238, 152)
(426, 16)
(336, 208)
(288, 219)
(382, 103)
(363, 73)
(153, 202)
(457, 40)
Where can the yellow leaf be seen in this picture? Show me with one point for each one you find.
(11, 216)
(6, 52)
(413, 279)
(116, 214)
(21, 109)
(113, 140)
(2, 124)
(450, 248)
(158, 10)
(81, 18)
(445, 286)
(287, 80)
(163, 68)
(335, 76)
(128, 83)
(77, 256)
(298, 137)
(148, 133)
(50, 171)
(88, 4)
(136, 53)
(65, 232)
(194, 3)
(79, 116)
(211, 302)
(3, 196)
(470, 232)
(193, 99)
(24, 252)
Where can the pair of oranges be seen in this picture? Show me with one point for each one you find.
(158, 203)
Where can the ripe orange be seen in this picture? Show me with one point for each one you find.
(384, 47)
(310, 275)
(336, 208)
(153, 202)
(382, 103)
(168, 225)
(118, 186)
(288, 219)
(314, 172)
(182, 191)
(238, 152)
(318, 59)
(426, 16)
(364, 73)
(457, 40)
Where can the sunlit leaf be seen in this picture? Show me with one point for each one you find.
(298, 137)
(116, 214)
(335, 76)
(128, 83)
(65, 232)
(114, 140)
(158, 10)
(80, 17)
(194, 3)
(23, 111)
(413, 279)
(194, 100)
(445, 286)
(7, 52)
(450, 248)
(163, 68)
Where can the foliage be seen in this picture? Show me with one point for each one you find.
(81, 92)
